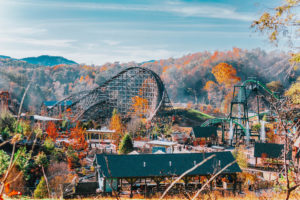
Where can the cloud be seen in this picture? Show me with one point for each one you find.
(36, 42)
(207, 10)
(23, 30)
(111, 42)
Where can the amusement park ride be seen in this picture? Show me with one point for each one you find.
(118, 92)
(238, 118)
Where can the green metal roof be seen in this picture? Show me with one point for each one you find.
(204, 132)
(156, 165)
(269, 150)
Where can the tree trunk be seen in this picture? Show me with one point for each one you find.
(46, 181)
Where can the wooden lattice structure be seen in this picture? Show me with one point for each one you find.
(119, 93)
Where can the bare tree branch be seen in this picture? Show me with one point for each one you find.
(186, 172)
(212, 178)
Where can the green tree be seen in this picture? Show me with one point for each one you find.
(49, 146)
(4, 160)
(22, 158)
(41, 190)
(126, 145)
(42, 161)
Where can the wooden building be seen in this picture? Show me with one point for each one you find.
(150, 172)
(204, 135)
(270, 154)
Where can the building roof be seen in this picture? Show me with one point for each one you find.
(157, 165)
(180, 129)
(269, 150)
(204, 132)
(102, 130)
(161, 143)
(44, 118)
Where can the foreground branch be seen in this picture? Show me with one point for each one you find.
(212, 178)
(186, 172)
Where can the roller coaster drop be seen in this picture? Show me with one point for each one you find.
(119, 93)
(239, 103)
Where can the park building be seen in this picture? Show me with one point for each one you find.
(149, 174)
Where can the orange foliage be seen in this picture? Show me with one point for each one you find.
(225, 74)
(209, 85)
(140, 105)
(103, 68)
(81, 79)
(77, 136)
(214, 56)
(117, 126)
(51, 130)
(58, 66)
(165, 68)
(189, 105)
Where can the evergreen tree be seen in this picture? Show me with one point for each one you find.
(41, 190)
(126, 145)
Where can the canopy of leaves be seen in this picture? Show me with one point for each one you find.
(4, 160)
(294, 92)
(77, 136)
(48, 145)
(225, 74)
(116, 125)
(126, 145)
(41, 159)
(51, 130)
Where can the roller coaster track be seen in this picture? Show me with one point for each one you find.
(216, 121)
(262, 86)
(118, 93)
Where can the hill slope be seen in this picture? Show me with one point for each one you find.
(46, 60)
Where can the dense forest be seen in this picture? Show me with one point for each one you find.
(193, 78)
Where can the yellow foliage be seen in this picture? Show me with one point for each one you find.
(140, 105)
(225, 74)
(294, 92)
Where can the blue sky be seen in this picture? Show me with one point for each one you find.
(99, 31)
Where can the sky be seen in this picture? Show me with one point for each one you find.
(100, 31)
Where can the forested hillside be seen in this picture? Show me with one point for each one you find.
(187, 79)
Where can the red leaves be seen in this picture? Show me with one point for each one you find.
(77, 136)
(52, 131)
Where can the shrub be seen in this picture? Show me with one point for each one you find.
(4, 160)
(126, 145)
(41, 190)
(48, 146)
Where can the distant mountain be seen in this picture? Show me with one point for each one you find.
(46, 60)
(4, 57)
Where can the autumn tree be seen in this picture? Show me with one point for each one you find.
(282, 22)
(275, 86)
(51, 130)
(140, 106)
(116, 125)
(226, 77)
(294, 92)
(42, 161)
(77, 136)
